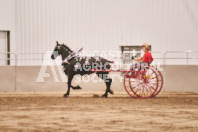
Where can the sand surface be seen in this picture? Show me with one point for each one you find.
(85, 111)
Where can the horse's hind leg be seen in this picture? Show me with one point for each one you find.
(109, 86)
(108, 81)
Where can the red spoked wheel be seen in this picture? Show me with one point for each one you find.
(160, 80)
(129, 75)
(143, 84)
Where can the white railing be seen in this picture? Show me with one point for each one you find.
(11, 58)
(164, 56)
(187, 58)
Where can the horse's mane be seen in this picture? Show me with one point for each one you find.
(67, 47)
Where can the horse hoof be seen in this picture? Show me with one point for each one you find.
(65, 96)
(104, 96)
(111, 92)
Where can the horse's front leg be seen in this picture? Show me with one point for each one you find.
(70, 77)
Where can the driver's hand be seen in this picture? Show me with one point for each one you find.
(133, 57)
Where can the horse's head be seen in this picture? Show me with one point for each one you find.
(61, 49)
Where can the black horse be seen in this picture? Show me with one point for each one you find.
(77, 65)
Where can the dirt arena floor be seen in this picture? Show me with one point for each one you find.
(85, 111)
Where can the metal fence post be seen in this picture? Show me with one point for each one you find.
(15, 72)
(164, 71)
(187, 57)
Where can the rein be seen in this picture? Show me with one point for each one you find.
(71, 55)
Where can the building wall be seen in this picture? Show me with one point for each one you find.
(100, 24)
(7, 19)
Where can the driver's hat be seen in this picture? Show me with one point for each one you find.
(146, 46)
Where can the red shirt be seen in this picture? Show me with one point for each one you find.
(147, 57)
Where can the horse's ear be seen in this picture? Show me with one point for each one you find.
(57, 42)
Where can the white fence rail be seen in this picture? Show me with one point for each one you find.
(163, 58)
(185, 55)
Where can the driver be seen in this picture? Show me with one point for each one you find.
(146, 59)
